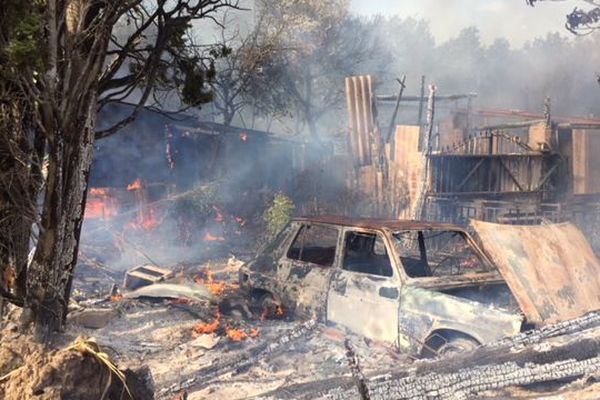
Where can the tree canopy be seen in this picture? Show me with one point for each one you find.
(60, 62)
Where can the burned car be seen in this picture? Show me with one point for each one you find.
(429, 288)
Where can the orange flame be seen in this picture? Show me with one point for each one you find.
(279, 311)
(147, 215)
(146, 220)
(100, 192)
(100, 204)
(238, 335)
(266, 312)
(207, 328)
(136, 185)
(116, 297)
(244, 137)
(215, 287)
(208, 237)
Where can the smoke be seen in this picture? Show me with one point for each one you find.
(502, 50)
(202, 191)
(509, 19)
(562, 68)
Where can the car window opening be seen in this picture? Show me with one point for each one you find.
(366, 253)
(314, 244)
(437, 253)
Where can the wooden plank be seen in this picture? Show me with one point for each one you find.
(408, 159)
(580, 164)
(511, 176)
(351, 104)
(365, 83)
(469, 175)
(360, 123)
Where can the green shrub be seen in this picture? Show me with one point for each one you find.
(279, 214)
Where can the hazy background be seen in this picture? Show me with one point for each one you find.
(510, 19)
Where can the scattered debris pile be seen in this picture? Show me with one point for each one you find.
(564, 357)
(193, 336)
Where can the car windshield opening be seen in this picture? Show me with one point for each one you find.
(437, 253)
(366, 253)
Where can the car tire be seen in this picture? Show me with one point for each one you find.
(448, 343)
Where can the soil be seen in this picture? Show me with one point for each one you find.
(30, 371)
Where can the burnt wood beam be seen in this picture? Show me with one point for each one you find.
(546, 177)
(470, 174)
(510, 174)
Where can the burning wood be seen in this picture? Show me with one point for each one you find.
(238, 335)
(101, 204)
(147, 219)
(278, 311)
(148, 215)
(215, 287)
(116, 297)
(105, 192)
(208, 328)
(136, 185)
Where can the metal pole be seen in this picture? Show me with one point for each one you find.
(420, 120)
(393, 121)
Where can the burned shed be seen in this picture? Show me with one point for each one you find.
(180, 150)
(208, 177)
(492, 165)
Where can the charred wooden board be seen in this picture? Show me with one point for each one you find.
(570, 349)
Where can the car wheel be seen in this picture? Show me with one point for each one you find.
(457, 345)
(443, 344)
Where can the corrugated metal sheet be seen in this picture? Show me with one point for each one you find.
(551, 269)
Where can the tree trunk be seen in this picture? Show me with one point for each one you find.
(20, 180)
(51, 271)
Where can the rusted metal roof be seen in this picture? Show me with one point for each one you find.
(378, 223)
(551, 269)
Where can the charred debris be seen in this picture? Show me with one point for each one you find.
(493, 293)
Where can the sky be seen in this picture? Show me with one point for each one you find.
(511, 19)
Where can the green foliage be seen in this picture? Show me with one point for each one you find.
(197, 203)
(25, 37)
(279, 214)
(194, 90)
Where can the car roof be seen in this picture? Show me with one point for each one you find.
(378, 223)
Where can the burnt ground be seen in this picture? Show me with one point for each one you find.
(163, 336)
(160, 335)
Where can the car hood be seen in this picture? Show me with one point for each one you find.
(550, 269)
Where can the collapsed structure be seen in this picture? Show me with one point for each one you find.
(473, 163)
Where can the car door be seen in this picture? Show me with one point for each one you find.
(364, 291)
(305, 269)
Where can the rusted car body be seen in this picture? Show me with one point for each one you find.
(404, 282)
